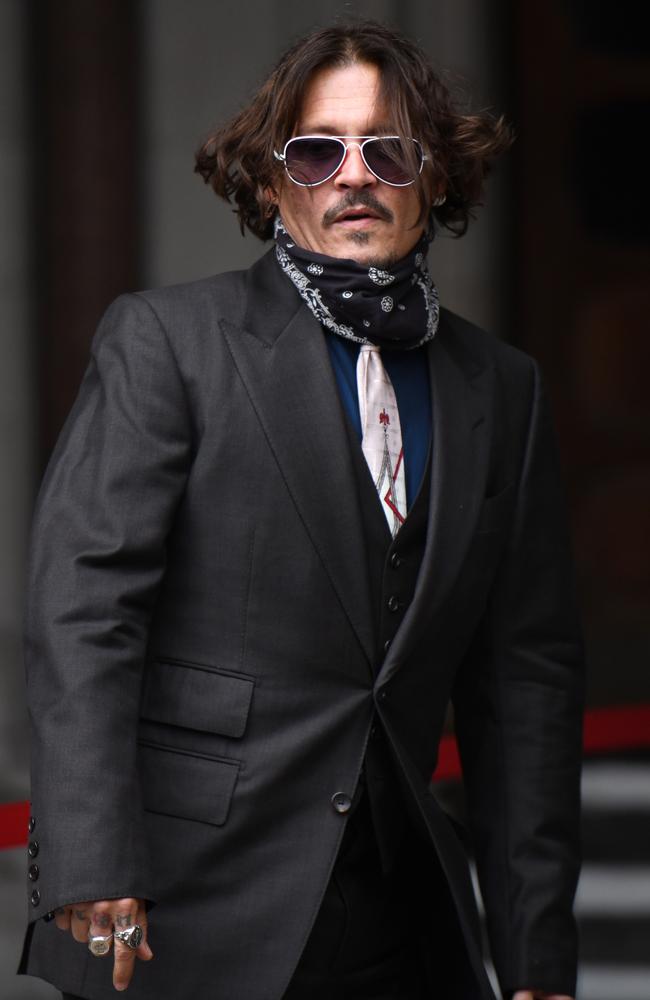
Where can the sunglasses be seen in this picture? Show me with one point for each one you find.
(312, 159)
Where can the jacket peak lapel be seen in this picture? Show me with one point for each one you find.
(282, 358)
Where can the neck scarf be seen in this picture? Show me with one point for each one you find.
(395, 309)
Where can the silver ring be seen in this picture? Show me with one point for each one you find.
(130, 936)
(99, 944)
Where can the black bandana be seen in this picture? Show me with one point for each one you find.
(394, 309)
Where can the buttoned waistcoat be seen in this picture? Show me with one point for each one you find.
(200, 647)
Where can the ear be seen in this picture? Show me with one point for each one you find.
(273, 191)
(435, 190)
(438, 191)
(271, 202)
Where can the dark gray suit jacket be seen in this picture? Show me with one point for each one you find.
(200, 645)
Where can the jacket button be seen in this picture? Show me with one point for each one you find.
(395, 560)
(48, 917)
(31, 825)
(382, 695)
(387, 645)
(33, 849)
(393, 603)
(35, 898)
(33, 873)
(341, 802)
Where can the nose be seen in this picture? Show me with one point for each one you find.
(353, 171)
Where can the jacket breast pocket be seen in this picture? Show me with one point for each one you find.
(186, 785)
(197, 696)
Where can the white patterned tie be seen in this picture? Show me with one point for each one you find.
(382, 435)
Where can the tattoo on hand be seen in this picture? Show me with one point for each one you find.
(80, 914)
(123, 920)
(102, 920)
(60, 910)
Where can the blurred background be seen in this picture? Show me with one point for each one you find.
(102, 105)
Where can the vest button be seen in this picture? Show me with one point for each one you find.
(33, 873)
(31, 825)
(35, 898)
(393, 603)
(395, 560)
(387, 645)
(341, 802)
(32, 850)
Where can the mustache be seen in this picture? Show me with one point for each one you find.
(358, 199)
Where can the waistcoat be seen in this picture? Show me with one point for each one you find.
(393, 568)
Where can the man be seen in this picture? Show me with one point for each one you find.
(292, 512)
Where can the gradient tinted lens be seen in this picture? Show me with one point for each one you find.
(310, 161)
(395, 161)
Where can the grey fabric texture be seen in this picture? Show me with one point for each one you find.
(201, 646)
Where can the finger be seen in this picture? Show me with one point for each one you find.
(523, 995)
(62, 917)
(101, 925)
(80, 921)
(144, 950)
(101, 918)
(125, 912)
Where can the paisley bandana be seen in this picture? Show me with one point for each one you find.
(395, 309)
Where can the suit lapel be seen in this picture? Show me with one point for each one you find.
(283, 361)
(458, 475)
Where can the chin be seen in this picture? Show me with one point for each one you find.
(373, 258)
(359, 249)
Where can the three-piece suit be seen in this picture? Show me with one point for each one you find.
(220, 656)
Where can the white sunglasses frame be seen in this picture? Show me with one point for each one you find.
(282, 157)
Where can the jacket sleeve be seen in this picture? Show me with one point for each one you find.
(518, 702)
(97, 556)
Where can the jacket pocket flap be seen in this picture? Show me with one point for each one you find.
(186, 785)
(197, 697)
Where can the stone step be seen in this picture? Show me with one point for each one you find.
(614, 982)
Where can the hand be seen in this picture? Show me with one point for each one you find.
(101, 917)
(537, 995)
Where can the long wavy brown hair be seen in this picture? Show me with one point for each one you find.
(238, 161)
